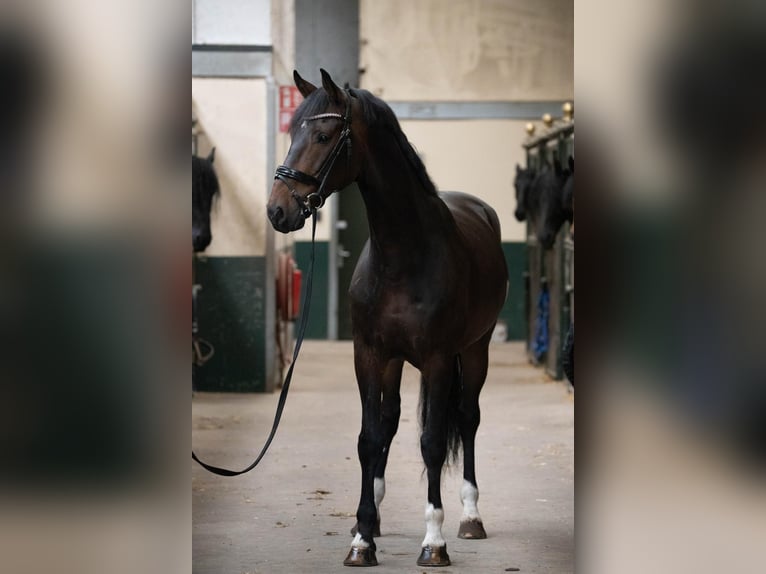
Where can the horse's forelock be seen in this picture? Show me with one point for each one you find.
(316, 103)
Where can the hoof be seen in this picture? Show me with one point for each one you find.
(471, 530)
(434, 556)
(375, 531)
(360, 557)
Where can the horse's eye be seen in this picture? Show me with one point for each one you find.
(323, 138)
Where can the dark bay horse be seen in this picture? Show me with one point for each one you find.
(205, 189)
(427, 289)
(550, 201)
(522, 183)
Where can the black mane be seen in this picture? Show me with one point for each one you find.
(377, 115)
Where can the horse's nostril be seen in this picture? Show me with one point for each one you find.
(276, 214)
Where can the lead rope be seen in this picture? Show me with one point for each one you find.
(286, 386)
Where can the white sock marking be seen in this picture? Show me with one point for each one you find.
(357, 542)
(469, 494)
(380, 491)
(434, 521)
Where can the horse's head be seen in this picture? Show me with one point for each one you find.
(568, 193)
(321, 158)
(204, 190)
(551, 212)
(522, 183)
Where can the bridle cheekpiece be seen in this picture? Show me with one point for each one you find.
(316, 199)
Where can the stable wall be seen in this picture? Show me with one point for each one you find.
(468, 50)
(232, 114)
(234, 309)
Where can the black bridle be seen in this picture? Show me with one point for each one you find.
(316, 199)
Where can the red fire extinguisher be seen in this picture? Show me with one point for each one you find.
(295, 307)
(288, 288)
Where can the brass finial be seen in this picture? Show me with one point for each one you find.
(547, 120)
(568, 110)
(530, 128)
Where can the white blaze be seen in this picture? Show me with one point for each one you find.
(434, 521)
(469, 494)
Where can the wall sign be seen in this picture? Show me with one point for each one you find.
(289, 100)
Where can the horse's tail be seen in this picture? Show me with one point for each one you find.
(453, 410)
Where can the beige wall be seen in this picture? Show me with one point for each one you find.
(470, 50)
(520, 50)
(232, 114)
(476, 156)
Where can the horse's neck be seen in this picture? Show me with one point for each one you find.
(404, 218)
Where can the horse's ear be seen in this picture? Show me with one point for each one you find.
(335, 93)
(304, 87)
(211, 156)
(518, 168)
(571, 163)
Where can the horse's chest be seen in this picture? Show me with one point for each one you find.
(399, 318)
(397, 309)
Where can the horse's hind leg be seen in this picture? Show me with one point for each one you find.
(475, 360)
(390, 410)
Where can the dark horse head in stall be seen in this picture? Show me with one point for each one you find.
(552, 210)
(568, 193)
(525, 177)
(204, 191)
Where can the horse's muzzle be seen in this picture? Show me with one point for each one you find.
(201, 238)
(283, 222)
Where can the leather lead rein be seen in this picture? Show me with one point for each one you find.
(286, 386)
(309, 206)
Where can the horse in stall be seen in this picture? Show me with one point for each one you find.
(522, 183)
(548, 207)
(205, 190)
(567, 358)
(427, 289)
(554, 204)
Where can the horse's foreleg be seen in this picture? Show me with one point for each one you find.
(369, 369)
(390, 411)
(475, 361)
(437, 376)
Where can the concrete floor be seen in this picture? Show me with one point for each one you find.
(292, 514)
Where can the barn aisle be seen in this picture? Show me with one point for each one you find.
(292, 514)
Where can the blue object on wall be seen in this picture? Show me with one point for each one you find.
(541, 328)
